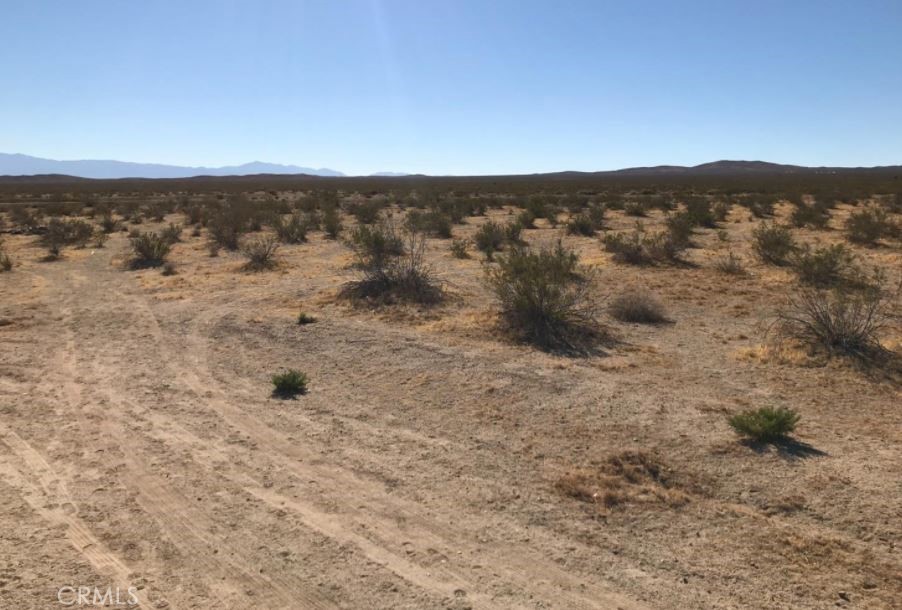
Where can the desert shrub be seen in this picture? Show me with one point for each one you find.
(698, 211)
(490, 238)
(6, 263)
(366, 212)
(587, 222)
(730, 264)
(545, 298)
(432, 223)
(459, 248)
(513, 232)
(526, 219)
(169, 268)
(156, 210)
(108, 224)
(839, 321)
(332, 225)
(637, 306)
(260, 253)
(868, 225)
(542, 206)
(810, 215)
(392, 267)
(641, 248)
(766, 424)
(100, 239)
(679, 226)
(291, 231)
(823, 267)
(232, 219)
(635, 208)
(149, 250)
(759, 205)
(27, 219)
(374, 245)
(67, 232)
(720, 210)
(773, 243)
(305, 318)
(290, 383)
(172, 234)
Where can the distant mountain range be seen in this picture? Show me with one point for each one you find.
(25, 165)
(14, 166)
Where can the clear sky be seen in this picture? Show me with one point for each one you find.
(453, 86)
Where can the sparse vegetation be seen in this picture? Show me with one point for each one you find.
(305, 318)
(824, 267)
(869, 225)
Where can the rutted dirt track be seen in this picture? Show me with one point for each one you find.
(139, 448)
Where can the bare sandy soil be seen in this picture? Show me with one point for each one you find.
(432, 463)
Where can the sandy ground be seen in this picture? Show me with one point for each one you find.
(432, 464)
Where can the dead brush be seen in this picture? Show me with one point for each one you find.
(629, 477)
(637, 306)
(838, 322)
(260, 253)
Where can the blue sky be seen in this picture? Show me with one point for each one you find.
(453, 87)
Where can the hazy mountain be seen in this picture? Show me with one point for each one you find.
(20, 165)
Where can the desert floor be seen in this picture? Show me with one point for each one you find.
(433, 463)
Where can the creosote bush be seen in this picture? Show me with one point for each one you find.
(490, 238)
(291, 231)
(6, 263)
(150, 250)
(824, 267)
(545, 298)
(260, 253)
(839, 322)
(766, 424)
(290, 383)
(868, 225)
(773, 243)
(637, 306)
(641, 248)
(392, 267)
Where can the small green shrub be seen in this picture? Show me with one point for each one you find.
(6, 263)
(773, 243)
(698, 210)
(766, 424)
(641, 248)
(366, 212)
(305, 318)
(290, 383)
